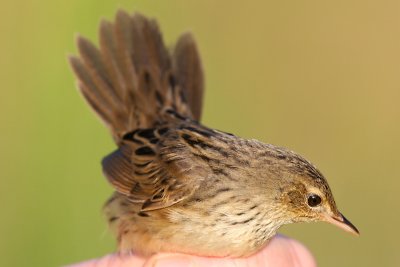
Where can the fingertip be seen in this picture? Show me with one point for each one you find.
(283, 250)
(302, 255)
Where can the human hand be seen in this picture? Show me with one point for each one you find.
(280, 252)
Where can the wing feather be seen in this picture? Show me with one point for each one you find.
(157, 170)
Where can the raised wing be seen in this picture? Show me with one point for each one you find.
(155, 167)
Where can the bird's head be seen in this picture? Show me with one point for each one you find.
(304, 194)
(310, 199)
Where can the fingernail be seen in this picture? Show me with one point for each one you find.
(173, 262)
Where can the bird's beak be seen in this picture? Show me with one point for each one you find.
(341, 221)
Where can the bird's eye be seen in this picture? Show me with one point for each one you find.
(313, 200)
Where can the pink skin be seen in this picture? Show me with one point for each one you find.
(280, 252)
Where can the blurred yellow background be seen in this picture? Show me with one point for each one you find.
(319, 77)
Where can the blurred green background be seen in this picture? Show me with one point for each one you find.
(319, 77)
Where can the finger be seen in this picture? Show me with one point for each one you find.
(281, 251)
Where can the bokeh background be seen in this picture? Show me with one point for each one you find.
(319, 77)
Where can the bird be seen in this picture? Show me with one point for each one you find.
(180, 186)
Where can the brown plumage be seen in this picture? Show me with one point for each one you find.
(180, 186)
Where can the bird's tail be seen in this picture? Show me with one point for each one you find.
(132, 78)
